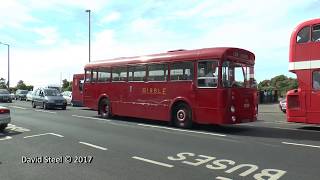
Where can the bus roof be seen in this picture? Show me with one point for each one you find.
(235, 54)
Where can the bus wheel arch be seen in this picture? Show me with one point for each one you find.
(181, 114)
(104, 108)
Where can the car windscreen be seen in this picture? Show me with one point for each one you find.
(51, 92)
(24, 92)
(4, 91)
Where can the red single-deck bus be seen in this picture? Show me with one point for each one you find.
(205, 86)
(77, 90)
(303, 104)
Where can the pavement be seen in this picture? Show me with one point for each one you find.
(76, 144)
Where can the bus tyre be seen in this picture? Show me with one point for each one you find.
(33, 104)
(182, 116)
(105, 109)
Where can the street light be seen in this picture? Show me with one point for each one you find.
(89, 12)
(8, 62)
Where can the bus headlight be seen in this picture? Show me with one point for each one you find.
(232, 109)
(233, 118)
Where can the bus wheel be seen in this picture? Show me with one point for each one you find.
(105, 109)
(182, 116)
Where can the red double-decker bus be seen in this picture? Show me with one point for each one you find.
(205, 86)
(77, 90)
(303, 104)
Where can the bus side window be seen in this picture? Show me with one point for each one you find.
(94, 75)
(316, 80)
(316, 33)
(137, 73)
(104, 75)
(157, 72)
(119, 74)
(208, 74)
(304, 35)
(181, 71)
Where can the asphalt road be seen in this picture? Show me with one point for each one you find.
(75, 144)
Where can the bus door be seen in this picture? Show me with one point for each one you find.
(207, 94)
(314, 112)
(90, 89)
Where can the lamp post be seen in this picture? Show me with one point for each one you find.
(89, 13)
(8, 62)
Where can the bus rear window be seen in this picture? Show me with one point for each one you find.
(303, 35)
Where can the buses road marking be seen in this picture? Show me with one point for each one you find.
(94, 146)
(153, 162)
(305, 145)
(46, 111)
(5, 138)
(36, 135)
(18, 107)
(86, 117)
(183, 130)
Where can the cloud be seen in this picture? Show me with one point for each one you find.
(113, 16)
(49, 35)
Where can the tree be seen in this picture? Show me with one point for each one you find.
(21, 85)
(3, 83)
(66, 85)
(280, 83)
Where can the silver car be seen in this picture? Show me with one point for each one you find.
(48, 98)
(5, 96)
(5, 117)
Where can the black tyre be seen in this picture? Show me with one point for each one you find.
(105, 109)
(33, 104)
(2, 127)
(182, 116)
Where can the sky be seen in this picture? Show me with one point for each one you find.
(49, 39)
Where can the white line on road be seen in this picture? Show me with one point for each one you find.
(46, 111)
(305, 145)
(5, 138)
(183, 130)
(222, 178)
(18, 107)
(153, 162)
(36, 135)
(86, 117)
(94, 146)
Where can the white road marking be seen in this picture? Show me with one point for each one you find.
(5, 138)
(18, 107)
(46, 111)
(36, 135)
(153, 162)
(222, 178)
(86, 117)
(94, 146)
(305, 145)
(183, 130)
(13, 127)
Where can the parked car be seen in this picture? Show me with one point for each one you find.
(5, 117)
(67, 95)
(48, 98)
(283, 105)
(5, 96)
(29, 95)
(21, 94)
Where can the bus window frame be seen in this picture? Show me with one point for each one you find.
(104, 68)
(309, 38)
(166, 71)
(218, 69)
(312, 32)
(113, 67)
(136, 65)
(177, 62)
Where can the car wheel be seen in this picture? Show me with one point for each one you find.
(3, 126)
(33, 104)
(105, 109)
(182, 116)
